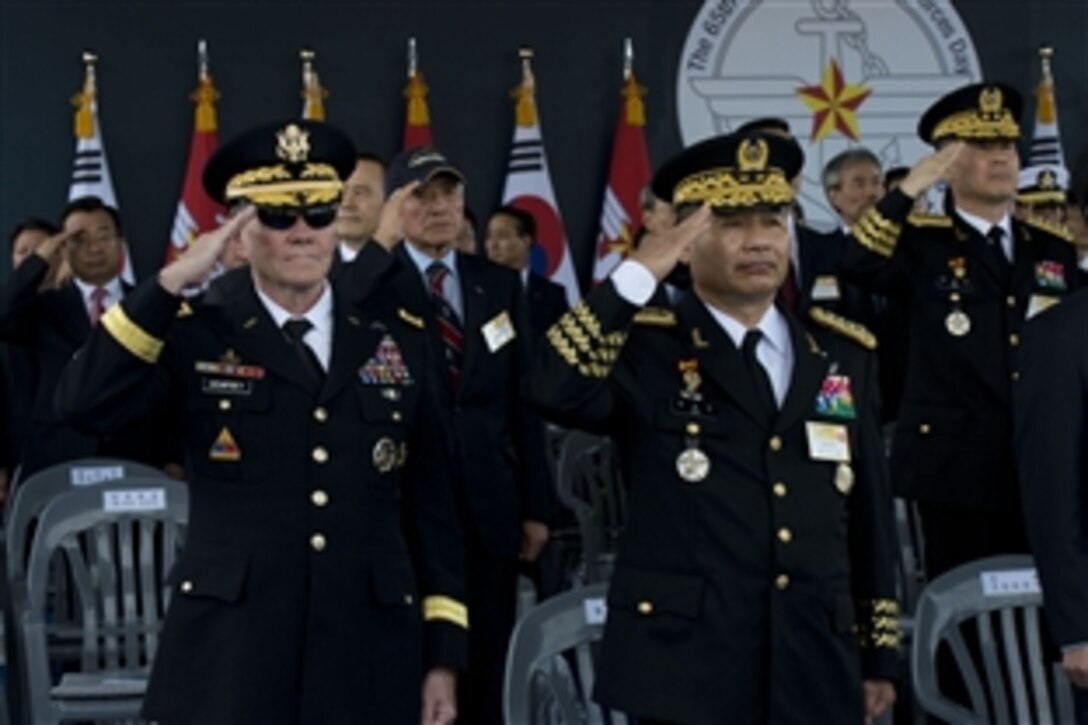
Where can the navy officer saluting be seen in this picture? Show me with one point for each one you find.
(322, 576)
(754, 581)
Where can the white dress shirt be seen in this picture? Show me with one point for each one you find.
(451, 286)
(114, 293)
(347, 253)
(319, 336)
(983, 227)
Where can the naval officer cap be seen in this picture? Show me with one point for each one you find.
(733, 172)
(293, 163)
(977, 112)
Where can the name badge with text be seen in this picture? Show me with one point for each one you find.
(828, 442)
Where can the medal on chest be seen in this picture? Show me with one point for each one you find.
(957, 322)
(693, 464)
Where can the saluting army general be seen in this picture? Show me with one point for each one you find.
(754, 582)
(968, 279)
(322, 579)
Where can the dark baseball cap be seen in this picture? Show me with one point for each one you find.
(421, 164)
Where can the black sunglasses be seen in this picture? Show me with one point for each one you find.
(284, 217)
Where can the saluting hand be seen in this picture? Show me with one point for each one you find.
(49, 247)
(199, 260)
(389, 224)
(659, 252)
(931, 169)
(439, 697)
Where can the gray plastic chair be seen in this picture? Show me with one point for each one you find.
(550, 663)
(118, 542)
(20, 518)
(1000, 598)
(590, 486)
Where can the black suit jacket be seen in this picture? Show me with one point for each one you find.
(547, 303)
(1051, 426)
(735, 597)
(52, 325)
(496, 439)
(269, 623)
(953, 444)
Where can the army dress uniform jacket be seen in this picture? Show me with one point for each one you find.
(953, 442)
(323, 567)
(50, 325)
(759, 589)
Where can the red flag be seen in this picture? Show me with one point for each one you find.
(197, 212)
(417, 119)
(627, 175)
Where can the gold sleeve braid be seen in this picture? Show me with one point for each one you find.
(445, 609)
(578, 339)
(131, 336)
(877, 233)
(878, 624)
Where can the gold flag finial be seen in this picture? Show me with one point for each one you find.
(312, 92)
(525, 111)
(205, 95)
(634, 109)
(1044, 92)
(416, 90)
(84, 100)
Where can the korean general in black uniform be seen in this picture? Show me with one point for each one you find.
(322, 576)
(968, 281)
(754, 581)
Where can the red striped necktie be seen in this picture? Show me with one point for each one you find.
(449, 324)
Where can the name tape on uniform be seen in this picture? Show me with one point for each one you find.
(596, 610)
(1009, 581)
(132, 500)
(94, 475)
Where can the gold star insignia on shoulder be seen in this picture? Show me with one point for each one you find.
(656, 317)
(930, 220)
(847, 328)
(1058, 230)
(413, 320)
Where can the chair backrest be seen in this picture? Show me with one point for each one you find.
(1004, 667)
(118, 542)
(32, 495)
(591, 486)
(550, 663)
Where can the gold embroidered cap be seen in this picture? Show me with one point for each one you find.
(293, 163)
(978, 112)
(737, 171)
(1043, 184)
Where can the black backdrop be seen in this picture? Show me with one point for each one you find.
(468, 52)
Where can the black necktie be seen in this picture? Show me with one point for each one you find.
(994, 238)
(449, 324)
(761, 382)
(295, 331)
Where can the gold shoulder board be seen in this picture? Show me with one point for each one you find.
(413, 320)
(656, 316)
(930, 220)
(847, 328)
(1058, 230)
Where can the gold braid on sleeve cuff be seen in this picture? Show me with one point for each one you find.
(878, 624)
(876, 232)
(446, 609)
(579, 341)
(131, 336)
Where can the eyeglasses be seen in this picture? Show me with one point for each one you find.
(281, 218)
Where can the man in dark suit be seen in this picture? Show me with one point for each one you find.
(969, 280)
(322, 575)
(480, 326)
(1051, 424)
(53, 323)
(511, 233)
(754, 582)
